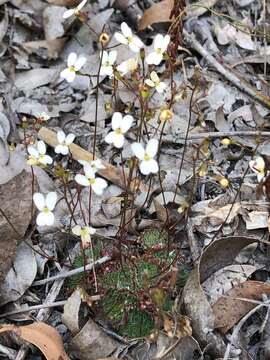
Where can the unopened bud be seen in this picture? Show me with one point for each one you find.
(224, 182)
(226, 141)
(104, 38)
(166, 115)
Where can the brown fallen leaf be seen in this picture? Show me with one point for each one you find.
(15, 215)
(43, 336)
(71, 3)
(228, 310)
(50, 49)
(160, 12)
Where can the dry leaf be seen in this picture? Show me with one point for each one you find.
(228, 310)
(15, 200)
(70, 316)
(157, 13)
(50, 49)
(43, 336)
(71, 3)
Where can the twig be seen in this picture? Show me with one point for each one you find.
(221, 134)
(79, 270)
(228, 74)
(34, 307)
(238, 328)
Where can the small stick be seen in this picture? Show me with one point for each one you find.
(228, 74)
(34, 307)
(222, 134)
(79, 270)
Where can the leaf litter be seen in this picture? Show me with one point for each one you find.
(211, 217)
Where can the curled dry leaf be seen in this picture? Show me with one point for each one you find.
(43, 336)
(219, 254)
(228, 310)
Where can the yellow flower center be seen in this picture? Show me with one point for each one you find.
(41, 157)
(84, 231)
(158, 50)
(129, 39)
(147, 157)
(46, 210)
(92, 181)
(77, 12)
(107, 63)
(72, 69)
(118, 131)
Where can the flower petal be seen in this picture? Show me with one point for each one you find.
(105, 56)
(81, 4)
(61, 136)
(106, 70)
(154, 58)
(47, 160)
(161, 87)
(99, 185)
(39, 200)
(134, 47)
(126, 30)
(152, 147)
(77, 230)
(68, 13)
(51, 199)
(41, 219)
(112, 56)
(137, 42)
(70, 76)
(33, 151)
(72, 57)
(110, 137)
(138, 150)
(92, 230)
(119, 140)
(79, 63)
(154, 77)
(41, 147)
(165, 42)
(97, 164)
(120, 37)
(58, 149)
(149, 83)
(49, 218)
(69, 139)
(153, 166)
(144, 168)
(82, 180)
(123, 67)
(158, 41)
(116, 120)
(89, 171)
(126, 123)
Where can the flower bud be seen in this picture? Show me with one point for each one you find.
(166, 115)
(225, 141)
(224, 182)
(104, 38)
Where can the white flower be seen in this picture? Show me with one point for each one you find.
(120, 126)
(76, 11)
(155, 82)
(43, 116)
(147, 165)
(45, 206)
(89, 179)
(258, 166)
(160, 46)
(85, 233)
(64, 142)
(37, 155)
(127, 38)
(127, 66)
(96, 165)
(108, 59)
(74, 64)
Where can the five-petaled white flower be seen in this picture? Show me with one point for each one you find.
(45, 205)
(127, 38)
(37, 155)
(108, 59)
(74, 63)
(154, 82)
(258, 166)
(120, 126)
(76, 11)
(85, 233)
(89, 179)
(146, 156)
(64, 142)
(160, 46)
(127, 66)
(96, 165)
